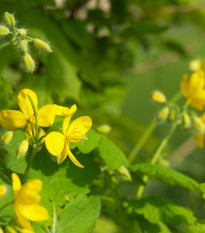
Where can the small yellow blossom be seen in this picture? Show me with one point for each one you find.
(26, 199)
(58, 144)
(194, 89)
(158, 97)
(199, 138)
(2, 190)
(13, 119)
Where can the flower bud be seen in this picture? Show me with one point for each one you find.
(199, 126)
(104, 129)
(6, 137)
(41, 45)
(195, 65)
(186, 121)
(21, 31)
(9, 18)
(124, 172)
(158, 97)
(163, 114)
(29, 63)
(24, 46)
(23, 148)
(172, 115)
(4, 30)
(2, 190)
(10, 229)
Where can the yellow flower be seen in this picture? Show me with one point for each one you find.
(12, 119)
(26, 199)
(194, 89)
(58, 144)
(2, 190)
(199, 138)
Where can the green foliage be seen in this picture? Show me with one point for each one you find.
(158, 209)
(82, 212)
(165, 174)
(197, 227)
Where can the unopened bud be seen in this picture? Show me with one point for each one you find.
(172, 115)
(22, 31)
(4, 30)
(9, 18)
(10, 229)
(23, 148)
(2, 190)
(195, 65)
(199, 126)
(41, 45)
(158, 97)
(104, 129)
(124, 172)
(163, 114)
(29, 63)
(186, 121)
(6, 137)
(24, 46)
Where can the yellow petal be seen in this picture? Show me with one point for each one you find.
(72, 158)
(55, 143)
(22, 222)
(64, 111)
(196, 82)
(16, 183)
(199, 139)
(12, 119)
(184, 86)
(28, 194)
(79, 128)
(34, 212)
(2, 190)
(67, 118)
(46, 115)
(25, 104)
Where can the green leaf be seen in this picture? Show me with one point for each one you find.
(67, 178)
(79, 216)
(197, 227)
(165, 174)
(111, 154)
(88, 145)
(157, 209)
(10, 160)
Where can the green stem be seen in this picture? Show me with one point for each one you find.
(176, 98)
(30, 162)
(156, 156)
(132, 156)
(5, 177)
(4, 206)
(54, 218)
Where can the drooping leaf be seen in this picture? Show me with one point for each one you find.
(158, 209)
(165, 174)
(111, 154)
(197, 227)
(79, 215)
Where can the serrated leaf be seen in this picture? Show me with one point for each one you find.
(165, 174)
(79, 216)
(197, 227)
(88, 145)
(63, 179)
(158, 209)
(111, 154)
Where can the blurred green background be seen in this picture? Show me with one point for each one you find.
(108, 56)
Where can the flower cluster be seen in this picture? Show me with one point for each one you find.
(33, 120)
(19, 38)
